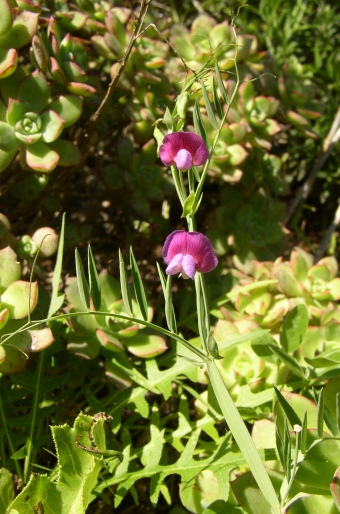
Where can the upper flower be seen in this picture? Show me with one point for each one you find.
(188, 252)
(183, 149)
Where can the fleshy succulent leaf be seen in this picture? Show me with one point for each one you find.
(41, 158)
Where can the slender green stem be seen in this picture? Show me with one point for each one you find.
(8, 435)
(178, 181)
(36, 394)
(138, 321)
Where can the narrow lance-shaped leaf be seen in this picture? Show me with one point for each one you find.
(58, 299)
(242, 437)
(95, 291)
(138, 286)
(221, 84)
(292, 417)
(288, 361)
(198, 123)
(83, 287)
(304, 433)
(217, 102)
(126, 294)
(287, 450)
(169, 309)
(208, 107)
(170, 316)
(320, 413)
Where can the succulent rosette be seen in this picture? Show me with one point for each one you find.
(188, 252)
(185, 149)
(32, 123)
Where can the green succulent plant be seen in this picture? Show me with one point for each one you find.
(31, 122)
(19, 23)
(18, 298)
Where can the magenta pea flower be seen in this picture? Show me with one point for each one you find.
(183, 149)
(188, 252)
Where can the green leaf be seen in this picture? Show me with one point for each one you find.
(168, 120)
(169, 308)
(6, 489)
(138, 286)
(208, 107)
(292, 417)
(242, 437)
(40, 157)
(294, 328)
(56, 299)
(124, 285)
(220, 83)
(83, 287)
(217, 102)
(198, 123)
(288, 361)
(95, 291)
(188, 207)
(321, 410)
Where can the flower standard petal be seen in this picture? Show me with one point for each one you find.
(175, 243)
(200, 248)
(188, 266)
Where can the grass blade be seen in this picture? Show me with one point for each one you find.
(138, 285)
(292, 417)
(83, 287)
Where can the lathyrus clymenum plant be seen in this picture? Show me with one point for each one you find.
(31, 123)
(113, 338)
(18, 24)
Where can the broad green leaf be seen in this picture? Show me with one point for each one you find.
(294, 328)
(208, 107)
(138, 286)
(83, 287)
(126, 294)
(6, 489)
(95, 291)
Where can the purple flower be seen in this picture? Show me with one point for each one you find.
(183, 149)
(188, 252)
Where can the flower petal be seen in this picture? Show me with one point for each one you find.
(175, 265)
(173, 143)
(183, 160)
(188, 266)
(190, 243)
